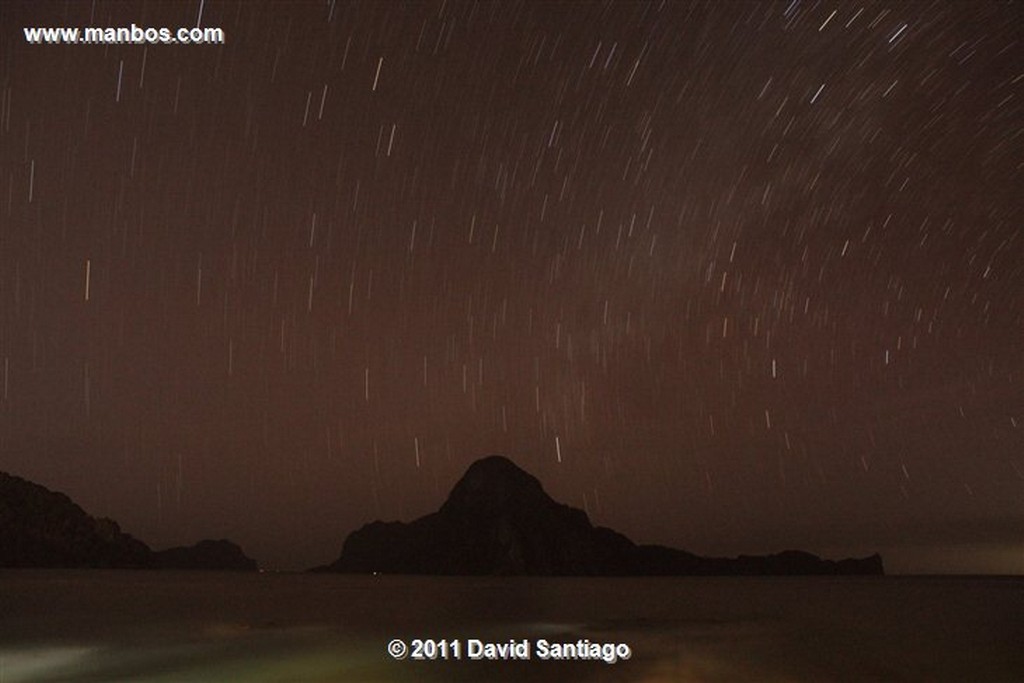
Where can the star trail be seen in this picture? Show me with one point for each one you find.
(733, 277)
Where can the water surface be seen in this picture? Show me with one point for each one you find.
(93, 626)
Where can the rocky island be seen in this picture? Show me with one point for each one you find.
(43, 528)
(498, 520)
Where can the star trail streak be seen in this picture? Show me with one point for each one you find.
(737, 277)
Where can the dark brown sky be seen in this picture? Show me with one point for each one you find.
(735, 277)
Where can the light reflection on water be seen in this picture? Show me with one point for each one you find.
(35, 663)
(92, 627)
(253, 660)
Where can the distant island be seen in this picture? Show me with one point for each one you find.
(40, 528)
(498, 520)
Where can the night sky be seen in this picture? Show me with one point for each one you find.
(733, 277)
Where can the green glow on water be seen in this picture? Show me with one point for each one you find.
(186, 664)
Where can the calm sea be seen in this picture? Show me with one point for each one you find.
(78, 626)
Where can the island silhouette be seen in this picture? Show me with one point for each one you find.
(498, 520)
(40, 528)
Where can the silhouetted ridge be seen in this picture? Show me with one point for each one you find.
(212, 555)
(498, 520)
(44, 528)
(493, 486)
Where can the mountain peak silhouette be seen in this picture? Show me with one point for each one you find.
(492, 486)
(499, 520)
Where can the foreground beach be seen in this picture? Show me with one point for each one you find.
(79, 626)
